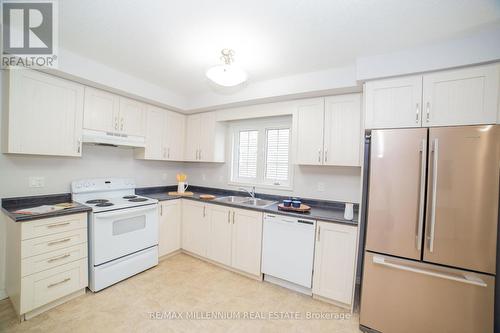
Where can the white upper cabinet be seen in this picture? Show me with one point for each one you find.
(174, 136)
(328, 131)
(393, 103)
(155, 124)
(467, 96)
(342, 130)
(461, 97)
(101, 110)
(43, 115)
(310, 119)
(132, 117)
(205, 138)
(108, 112)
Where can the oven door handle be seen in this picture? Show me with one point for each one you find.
(127, 211)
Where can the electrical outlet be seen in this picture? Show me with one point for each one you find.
(321, 186)
(37, 181)
(204, 177)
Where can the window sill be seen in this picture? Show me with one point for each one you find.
(265, 186)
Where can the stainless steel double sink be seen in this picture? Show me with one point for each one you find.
(246, 201)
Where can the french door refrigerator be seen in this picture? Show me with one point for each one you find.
(431, 230)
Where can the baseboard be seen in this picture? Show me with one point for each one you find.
(3, 294)
(288, 285)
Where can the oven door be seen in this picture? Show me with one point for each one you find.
(121, 232)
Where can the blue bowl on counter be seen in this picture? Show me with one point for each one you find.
(296, 203)
(287, 203)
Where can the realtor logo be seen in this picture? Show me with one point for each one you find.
(29, 33)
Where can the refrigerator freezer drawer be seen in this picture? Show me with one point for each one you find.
(405, 296)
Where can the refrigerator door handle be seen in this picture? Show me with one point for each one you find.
(423, 151)
(434, 193)
(468, 279)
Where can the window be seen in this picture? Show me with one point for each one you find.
(261, 152)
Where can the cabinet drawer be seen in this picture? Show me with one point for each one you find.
(36, 246)
(53, 225)
(47, 286)
(53, 259)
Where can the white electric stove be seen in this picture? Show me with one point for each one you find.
(123, 229)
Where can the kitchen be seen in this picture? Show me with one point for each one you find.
(241, 199)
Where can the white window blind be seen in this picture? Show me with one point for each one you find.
(247, 150)
(277, 159)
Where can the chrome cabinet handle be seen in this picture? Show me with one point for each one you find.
(428, 112)
(161, 210)
(420, 227)
(56, 225)
(78, 146)
(319, 233)
(229, 217)
(121, 124)
(434, 193)
(168, 152)
(58, 283)
(116, 123)
(467, 278)
(233, 217)
(326, 155)
(200, 154)
(58, 258)
(319, 156)
(204, 211)
(59, 241)
(417, 112)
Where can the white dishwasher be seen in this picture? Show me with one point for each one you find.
(288, 251)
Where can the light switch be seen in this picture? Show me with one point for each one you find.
(37, 181)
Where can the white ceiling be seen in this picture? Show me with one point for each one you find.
(172, 43)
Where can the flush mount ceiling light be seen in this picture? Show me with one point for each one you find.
(227, 75)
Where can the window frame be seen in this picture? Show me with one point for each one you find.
(262, 125)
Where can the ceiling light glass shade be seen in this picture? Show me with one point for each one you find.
(227, 75)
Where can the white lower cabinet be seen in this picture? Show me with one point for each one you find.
(247, 240)
(334, 262)
(46, 262)
(195, 227)
(229, 236)
(169, 237)
(221, 226)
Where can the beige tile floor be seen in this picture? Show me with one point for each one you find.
(182, 284)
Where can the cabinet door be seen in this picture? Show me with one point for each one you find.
(169, 239)
(45, 115)
(193, 133)
(156, 123)
(394, 103)
(461, 97)
(195, 227)
(343, 130)
(334, 262)
(132, 117)
(101, 110)
(207, 136)
(219, 248)
(175, 134)
(247, 240)
(310, 120)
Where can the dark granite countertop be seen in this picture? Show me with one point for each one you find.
(329, 211)
(9, 205)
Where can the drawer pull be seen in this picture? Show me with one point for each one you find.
(59, 241)
(58, 225)
(58, 283)
(59, 258)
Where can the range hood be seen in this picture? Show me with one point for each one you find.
(113, 139)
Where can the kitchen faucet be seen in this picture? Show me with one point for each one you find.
(251, 193)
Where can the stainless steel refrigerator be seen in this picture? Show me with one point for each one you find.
(431, 230)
